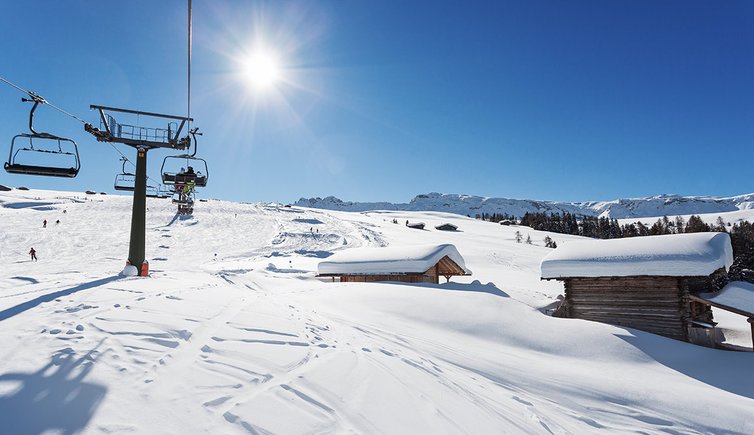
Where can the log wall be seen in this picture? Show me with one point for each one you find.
(397, 278)
(701, 284)
(653, 304)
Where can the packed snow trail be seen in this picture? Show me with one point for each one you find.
(232, 333)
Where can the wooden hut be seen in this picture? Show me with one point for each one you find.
(423, 263)
(447, 227)
(643, 282)
(415, 225)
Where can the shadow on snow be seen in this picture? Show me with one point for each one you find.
(55, 398)
(24, 306)
(474, 286)
(710, 366)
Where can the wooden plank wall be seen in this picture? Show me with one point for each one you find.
(380, 278)
(700, 284)
(653, 304)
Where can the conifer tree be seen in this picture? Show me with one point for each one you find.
(696, 225)
(680, 224)
(720, 225)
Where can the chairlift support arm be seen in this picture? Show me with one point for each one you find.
(108, 136)
(36, 100)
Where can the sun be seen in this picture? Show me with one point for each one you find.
(262, 70)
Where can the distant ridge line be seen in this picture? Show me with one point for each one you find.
(659, 205)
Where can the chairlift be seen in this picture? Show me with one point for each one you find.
(125, 180)
(186, 209)
(158, 191)
(182, 198)
(185, 202)
(193, 171)
(45, 154)
(153, 192)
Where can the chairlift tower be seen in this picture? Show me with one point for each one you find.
(142, 139)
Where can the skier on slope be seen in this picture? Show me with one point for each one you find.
(44, 223)
(33, 254)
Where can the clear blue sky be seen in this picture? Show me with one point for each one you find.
(382, 100)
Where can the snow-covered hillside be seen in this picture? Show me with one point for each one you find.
(467, 205)
(233, 333)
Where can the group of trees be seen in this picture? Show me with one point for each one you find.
(588, 226)
(549, 243)
(741, 233)
(495, 217)
(606, 228)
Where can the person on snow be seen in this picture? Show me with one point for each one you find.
(44, 223)
(33, 254)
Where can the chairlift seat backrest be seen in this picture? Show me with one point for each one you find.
(125, 182)
(26, 164)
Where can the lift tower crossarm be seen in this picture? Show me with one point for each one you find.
(139, 112)
(140, 136)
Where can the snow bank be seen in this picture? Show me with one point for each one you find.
(696, 254)
(390, 260)
(737, 294)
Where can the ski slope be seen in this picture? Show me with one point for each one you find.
(233, 333)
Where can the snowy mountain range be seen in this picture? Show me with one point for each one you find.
(660, 205)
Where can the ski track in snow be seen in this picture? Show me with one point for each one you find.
(233, 333)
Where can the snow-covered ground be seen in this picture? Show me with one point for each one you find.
(233, 333)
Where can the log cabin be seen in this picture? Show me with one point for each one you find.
(447, 227)
(646, 283)
(414, 264)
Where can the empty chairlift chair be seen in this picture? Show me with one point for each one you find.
(125, 180)
(155, 191)
(42, 153)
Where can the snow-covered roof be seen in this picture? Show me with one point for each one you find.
(738, 295)
(390, 260)
(695, 254)
(446, 225)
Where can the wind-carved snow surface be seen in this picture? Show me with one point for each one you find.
(469, 205)
(693, 254)
(232, 333)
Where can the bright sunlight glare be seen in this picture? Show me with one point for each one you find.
(262, 70)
